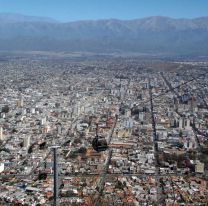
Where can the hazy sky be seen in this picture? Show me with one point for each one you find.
(70, 10)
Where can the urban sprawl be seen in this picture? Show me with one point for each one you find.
(153, 115)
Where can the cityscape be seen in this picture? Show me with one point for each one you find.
(151, 113)
(103, 103)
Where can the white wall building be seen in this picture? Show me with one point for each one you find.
(26, 142)
(1, 167)
(2, 138)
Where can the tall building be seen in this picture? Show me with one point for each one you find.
(193, 103)
(1, 134)
(1, 167)
(78, 108)
(26, 142)
(176, 103)
(199, 167)
(46, 129)
(20, 103)
(181, 123)
(188, 124)
(32, 110)
(59, 128)
(43, 121)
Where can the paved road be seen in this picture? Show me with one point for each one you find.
(26, 176)
(157, 170)
(169, 85)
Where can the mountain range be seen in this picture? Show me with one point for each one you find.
(151, 35)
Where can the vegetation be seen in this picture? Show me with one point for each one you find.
(73, 155)
(42, 146)
(82, 150)
(5, 109)
(42, 176)
(30, 150)
(119, 185)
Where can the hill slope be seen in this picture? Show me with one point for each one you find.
(148, 35)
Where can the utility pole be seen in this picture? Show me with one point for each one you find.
(55, 175)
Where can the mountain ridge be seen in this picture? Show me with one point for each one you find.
(7, 17)
(157, 34)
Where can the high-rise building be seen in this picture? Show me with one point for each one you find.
(43, 121)
(188, 124)
(20, 103)
(78, 108)
(181, 123)
(32, 110)
(59, 128)
(1, 134)
(1, 167)
(26, 142)
(46, 129)
(199, 167)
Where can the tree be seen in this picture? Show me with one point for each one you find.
(82, 150)
(42, 146)
(14, 130)
(30, 150)
(73, 155)
(70, 193)
(180, 145)
(77, 141)
(42, 176)
(5, 109)
(119, 185)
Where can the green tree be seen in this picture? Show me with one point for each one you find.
(82, 150)
(119, 185)
(30, 150)
(5, 109)
(73, 155)
(42, 176)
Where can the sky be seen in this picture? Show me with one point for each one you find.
(73, 10)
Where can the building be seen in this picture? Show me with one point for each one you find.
(20, 103)
(199, 167)
(2, 138)
(26, 142)
(1, 167)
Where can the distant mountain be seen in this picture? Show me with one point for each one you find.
(14, 18)
(152, 35)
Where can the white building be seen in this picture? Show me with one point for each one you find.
(199, 167)
(26, 142)
(2, 138)
(181, 123)
(1, 167)
(188, 124)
